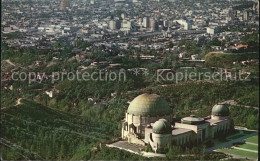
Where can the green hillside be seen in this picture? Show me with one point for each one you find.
(33, 131)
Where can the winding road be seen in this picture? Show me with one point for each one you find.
(233, 103)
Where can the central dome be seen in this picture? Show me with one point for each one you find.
(149, 105)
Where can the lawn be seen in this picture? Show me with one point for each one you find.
(253, 139)
(239, 152)
(249, 146)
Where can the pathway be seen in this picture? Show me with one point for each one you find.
(18, 102)
(251, 143)
(254, 151)
(240, 156)
(228, 143)
(124, 145)
(233, 103)
(9, 62)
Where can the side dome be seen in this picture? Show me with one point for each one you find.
(220, 110)
(149, 105)
(162, 126)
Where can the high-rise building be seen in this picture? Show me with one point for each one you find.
(165, 23)
(153, 25)
(212, 30)
(245, 15)
(140, 21)
(187, 26)
(92, 2)
(257, 7)
(122, 15)
(65, 4)
(146, 22)
(126, 24)
(114, 24)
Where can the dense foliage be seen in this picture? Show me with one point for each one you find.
(39, 132)
(198, 98)
(83, 114)
(226, 59)
(245, 117)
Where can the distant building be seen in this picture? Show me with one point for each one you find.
(114, 24)
(245, 15)
(153, 25)
(165, 23)
(92, 2)
(186, 25)
(212, 30)
(65, 4)
(123, 16)
(146, 22)
(182, 55)
(126, 26)
(257, 7)
(195, 57)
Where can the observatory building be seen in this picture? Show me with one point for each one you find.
(149, 121)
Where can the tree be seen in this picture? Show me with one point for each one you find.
(215, 42)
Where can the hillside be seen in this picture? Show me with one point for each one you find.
(33, 131)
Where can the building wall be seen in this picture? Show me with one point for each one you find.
(142, 121)
(219, 117)
(158, 141)
(134, 140)
(211, 31)
(220, 128)
(147, 134)
(146, 22)
(184, 138)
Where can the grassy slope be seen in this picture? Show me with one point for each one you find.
(249, 146)
(239, 152)
(253, 139)
(46, 131)
(29, 122)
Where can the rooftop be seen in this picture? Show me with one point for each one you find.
(179, 131)
(149, 105)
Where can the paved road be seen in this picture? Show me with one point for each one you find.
(149, 154)
(126, 146)
(254, 151)
(239, 157)
(18, 102)
(9, 62)
(252, 143)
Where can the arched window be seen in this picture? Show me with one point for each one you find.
(151, 137)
